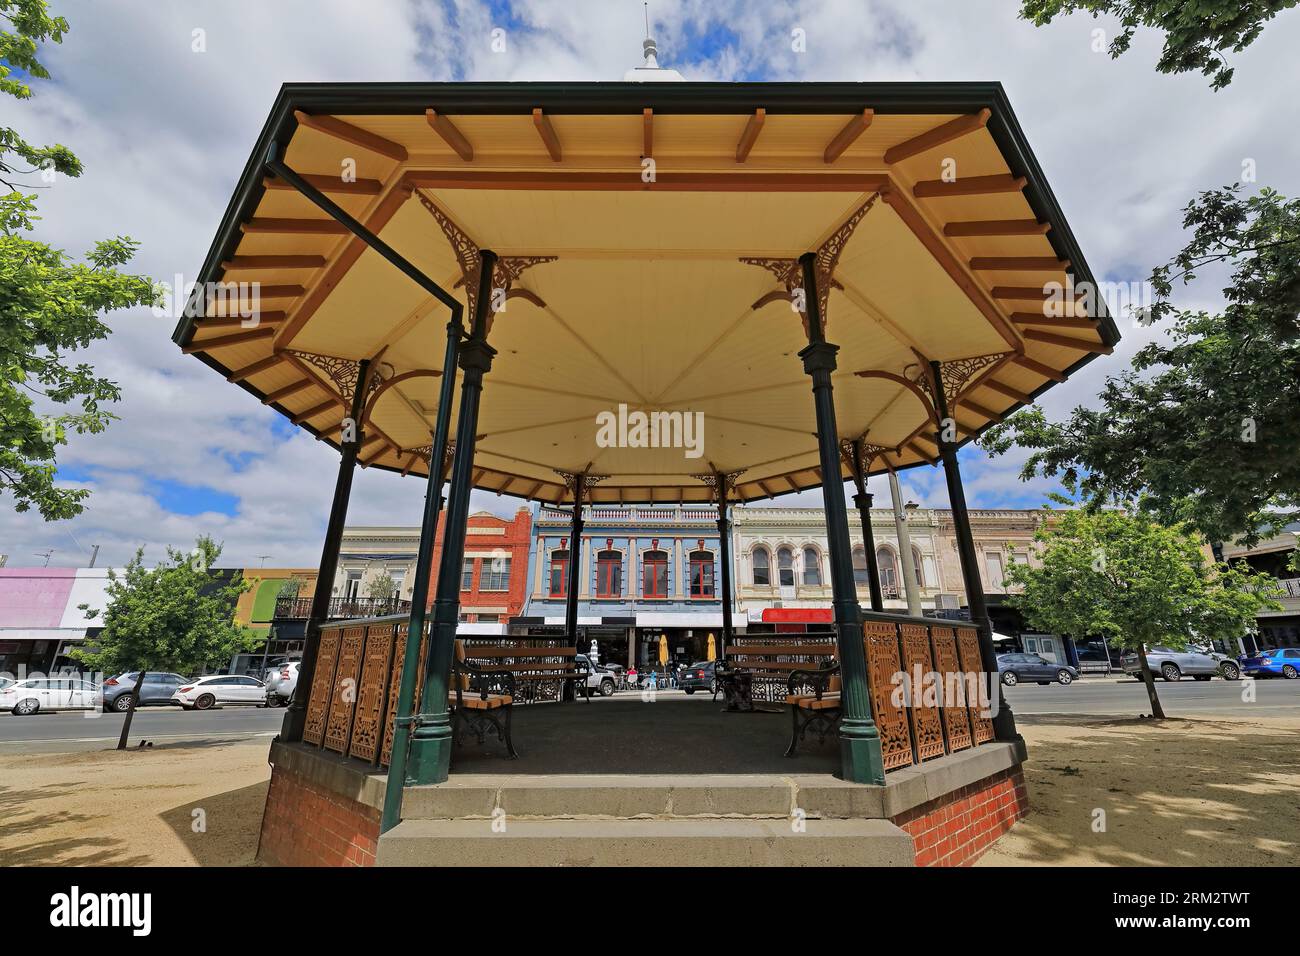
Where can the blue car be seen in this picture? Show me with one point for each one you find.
(1277, 662)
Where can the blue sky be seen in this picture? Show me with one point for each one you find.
(164, 131)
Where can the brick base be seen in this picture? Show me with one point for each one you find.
(957, 828)
(307, 825)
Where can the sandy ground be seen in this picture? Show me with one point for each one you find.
(134, 808)
(1213, 792)
(1208, 792)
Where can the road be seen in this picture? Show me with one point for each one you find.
(48, 733)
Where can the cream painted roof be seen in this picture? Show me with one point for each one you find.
(647, 304)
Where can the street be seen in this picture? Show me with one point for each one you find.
(73, 730)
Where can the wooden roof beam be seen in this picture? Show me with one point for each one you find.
(981, 410)
(547, 132)
(997, 227)
(332, 126)
(968, 186)
(272, 397)
(1066, 341)
(1053, 321)
(315, 410)
(1019, 264)
(1036, 366)
(953, 129)
(331, 184)
(1021, 397)
(749, 136)
(267, 225)
(237, 321)
(845, 137)
(248, 371)
(450, 134)
(273, 262)
(238, 338)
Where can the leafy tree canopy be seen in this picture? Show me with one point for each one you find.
(50, 303)
(1198, 33)
(1205, 426)
(174, 617)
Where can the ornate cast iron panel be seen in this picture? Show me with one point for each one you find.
(343, 696)
(881, 639)
(318, 704)
(394, 682)
(968, 646)
(371, 693)
(926, 729)
(956, 718)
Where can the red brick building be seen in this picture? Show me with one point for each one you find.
(495, 567)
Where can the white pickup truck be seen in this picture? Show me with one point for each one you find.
(599, 680)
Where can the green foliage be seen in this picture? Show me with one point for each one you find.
(1205, 426)
(292, 587)
(1132, 580)
(1198, 33)
(50, 303)
(382, 587)
(174, 617)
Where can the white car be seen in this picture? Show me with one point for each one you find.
(35, 694)
(220, 689)
(280, 682)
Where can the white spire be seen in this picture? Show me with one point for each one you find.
(651, 71)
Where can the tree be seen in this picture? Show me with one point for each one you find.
(1205, 425)
(382, 587)
(175, 617)
(1135, 582)
(50, 303)
(1197, 34)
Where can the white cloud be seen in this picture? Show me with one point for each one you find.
(165, 131)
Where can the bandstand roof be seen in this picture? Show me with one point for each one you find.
(934, 220)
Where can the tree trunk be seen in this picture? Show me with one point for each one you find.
(130, 712)
(1147, 678)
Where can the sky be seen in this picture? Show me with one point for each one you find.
(164, 129)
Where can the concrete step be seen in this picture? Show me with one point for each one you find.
(675, 842)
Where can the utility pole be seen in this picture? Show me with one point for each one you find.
(263, 558)
(45, 554)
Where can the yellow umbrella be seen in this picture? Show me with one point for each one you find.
(713, 649)
(663, 648)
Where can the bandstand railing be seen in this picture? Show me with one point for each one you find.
(940, 708)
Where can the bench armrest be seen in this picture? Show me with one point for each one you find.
(483, 677)
(818, 678)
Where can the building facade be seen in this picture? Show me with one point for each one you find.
(649, 577)
(1273, 555)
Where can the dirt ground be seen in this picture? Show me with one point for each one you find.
(1212, 792)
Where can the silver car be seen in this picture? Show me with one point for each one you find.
(1170, 664)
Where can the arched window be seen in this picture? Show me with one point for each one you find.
(861, 575)
(812, 567)
(785, 567)
(701, 574)
(888, 571)
(919, 566)
(559, 583)
(654, 574)
(609, 573)
(762, 568)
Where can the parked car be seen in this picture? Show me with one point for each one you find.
(280, 682)
(6, 682)
(1276, 662)
(220, 689)
(25, 697)
(157, 690)
(1013, 668)
(699, 676)
(598, 679)
(1172, 665)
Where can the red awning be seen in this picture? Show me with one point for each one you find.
(798, 615)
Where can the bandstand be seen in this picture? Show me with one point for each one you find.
(454, 282)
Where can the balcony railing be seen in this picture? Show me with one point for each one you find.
(1291, 586)
(299, 608)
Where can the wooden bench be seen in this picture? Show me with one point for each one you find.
(761, 668)
(480, 698)
(533, 663)
(814, 699)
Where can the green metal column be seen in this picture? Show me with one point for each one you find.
(1004, 721)
(295, 717)
(423, 570)
(862, 501)
(430, 757)
(860, 755)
